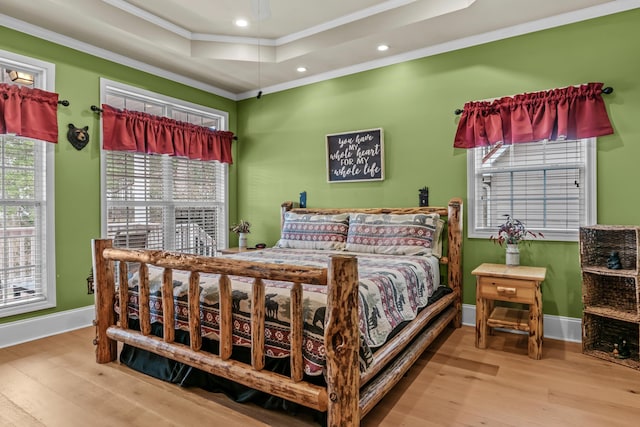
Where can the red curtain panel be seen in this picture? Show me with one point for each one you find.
(572, 112)
(124, 130)
(32, 113)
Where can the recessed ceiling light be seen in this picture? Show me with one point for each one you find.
(383, 47)
(301, 69)
(241, 22)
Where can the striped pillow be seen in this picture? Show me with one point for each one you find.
(391, 234)
(310, 231)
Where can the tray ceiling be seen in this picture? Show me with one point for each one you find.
(196, 41)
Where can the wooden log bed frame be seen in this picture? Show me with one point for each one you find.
(348, 395)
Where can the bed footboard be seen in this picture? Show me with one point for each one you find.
(340, 398)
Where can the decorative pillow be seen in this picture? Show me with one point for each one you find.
(437, 239)
(309, 231)
(392, 234)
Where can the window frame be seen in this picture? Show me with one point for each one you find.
(566, 235)
(44, 78)
(107, 85)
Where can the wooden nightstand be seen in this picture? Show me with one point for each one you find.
(520, 284)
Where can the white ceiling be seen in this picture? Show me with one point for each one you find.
(196, 41)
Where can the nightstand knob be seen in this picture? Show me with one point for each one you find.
(506, 291)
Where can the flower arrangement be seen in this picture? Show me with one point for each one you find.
(241, 227)
(512, 232)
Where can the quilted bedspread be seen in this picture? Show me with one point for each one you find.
(392, 290)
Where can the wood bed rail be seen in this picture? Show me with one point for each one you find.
(205, 264)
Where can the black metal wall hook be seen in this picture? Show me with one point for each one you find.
(64, 102)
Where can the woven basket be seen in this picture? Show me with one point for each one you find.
(598, 242)
(618, 293)
(601, 333)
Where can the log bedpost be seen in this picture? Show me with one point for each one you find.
(105, 293)
(455, 231)
(342, 342)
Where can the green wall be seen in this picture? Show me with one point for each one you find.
(282, 152)
(77, 173)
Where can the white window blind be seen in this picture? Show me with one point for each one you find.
(27, 246)
(548, 185)
(162, 202)
(21, 221)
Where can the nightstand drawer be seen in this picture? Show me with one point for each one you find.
(507, 289)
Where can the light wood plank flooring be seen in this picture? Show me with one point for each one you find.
(55, 382)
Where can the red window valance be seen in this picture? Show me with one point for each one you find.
(567, 113)
(124, 130)
(32, 113)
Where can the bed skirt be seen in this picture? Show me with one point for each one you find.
(186, 376)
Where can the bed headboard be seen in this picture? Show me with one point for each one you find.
(288, 206)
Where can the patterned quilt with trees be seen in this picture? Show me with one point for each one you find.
(392, 290)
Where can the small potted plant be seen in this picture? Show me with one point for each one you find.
(242, 229)
(512, 232)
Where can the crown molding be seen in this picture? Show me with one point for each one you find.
(39, 32)
(149, 17)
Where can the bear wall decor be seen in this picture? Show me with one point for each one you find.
(78, 137)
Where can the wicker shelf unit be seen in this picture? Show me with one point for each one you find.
(611, 297)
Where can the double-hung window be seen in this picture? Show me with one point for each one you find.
(27, 244)
(548, 185)
(162, 202)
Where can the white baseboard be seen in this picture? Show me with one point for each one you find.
(43, 326)
(555, 327)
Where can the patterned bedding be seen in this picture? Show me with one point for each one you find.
(392, 290)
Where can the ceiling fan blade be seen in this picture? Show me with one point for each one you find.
(261, 9)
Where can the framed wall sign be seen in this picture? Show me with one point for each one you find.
(355, 156)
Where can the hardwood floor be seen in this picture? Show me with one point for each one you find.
(55, 382)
